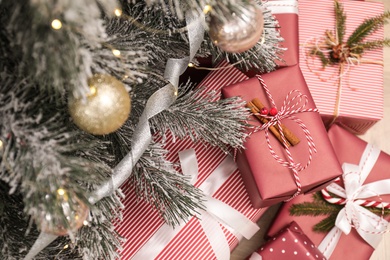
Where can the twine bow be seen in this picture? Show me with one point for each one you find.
(294, 103)
(368, 225)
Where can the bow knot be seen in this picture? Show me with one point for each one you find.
(353, 215)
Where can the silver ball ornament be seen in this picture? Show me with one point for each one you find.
(237, 32)
(105, 109)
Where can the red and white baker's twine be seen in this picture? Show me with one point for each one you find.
(353, 220)
(294, 103)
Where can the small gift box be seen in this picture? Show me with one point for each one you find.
(286, 13)
(290, 243)
(347, 90)
(213, 233)
(349, 217)
(271, 172)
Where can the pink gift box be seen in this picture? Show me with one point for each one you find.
(260, 171)
(356, 100)
(289, 243)
(348, 148)
(142, 225)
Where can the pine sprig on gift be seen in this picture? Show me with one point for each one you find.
(320, 207)
(335, 50)
(368, 27)
(370, 45)
(341, 18)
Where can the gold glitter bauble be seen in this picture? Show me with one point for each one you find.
(237, 32)
(105, 109)
(74, 215)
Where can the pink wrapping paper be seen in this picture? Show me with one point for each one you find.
(289, 243)
(260, 171)
(140, 221)
(348, 148)
(361, 98)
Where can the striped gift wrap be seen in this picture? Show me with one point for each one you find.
(361, 88)
(141, 222)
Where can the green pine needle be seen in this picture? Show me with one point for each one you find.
(326, 224)
(324, 60)
(370, 45)
(341, 17)
(367, 27)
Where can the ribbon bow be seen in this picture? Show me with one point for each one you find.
(294, 103)
(368, 225)
(216, 213)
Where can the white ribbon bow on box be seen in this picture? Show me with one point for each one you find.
(367, 224)
(216, 213)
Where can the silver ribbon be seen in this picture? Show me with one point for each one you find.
(159, 101)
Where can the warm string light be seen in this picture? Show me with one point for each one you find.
(56, 24)
(1, 144)
(207, 9)
(61, 192)
(117, 53)
(118, 12)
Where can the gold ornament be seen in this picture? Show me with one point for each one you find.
(105, 109)
(75, 212)
(237, 32)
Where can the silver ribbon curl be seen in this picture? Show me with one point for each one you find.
(158, 101)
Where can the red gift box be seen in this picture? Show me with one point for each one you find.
(147, 237)
(352, 150)
(260, 170)
(286, 13)
(290, 243)
(354, 98)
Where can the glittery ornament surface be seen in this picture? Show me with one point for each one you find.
(106, 108)
(73, 216)
(237, 32)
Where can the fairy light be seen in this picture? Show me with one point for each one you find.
(61, 192)
(117, 53)
(56, 24)
(118, 12)
(85, 223)
(92, 90)
(207, 9)
(66, 246)
(1, 144)
(191, 65)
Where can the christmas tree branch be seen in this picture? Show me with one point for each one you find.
(159, 184)
(194, 114)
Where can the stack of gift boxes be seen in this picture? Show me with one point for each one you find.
(302, 153)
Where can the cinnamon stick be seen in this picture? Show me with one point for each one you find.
(263, 120)
(290, 136)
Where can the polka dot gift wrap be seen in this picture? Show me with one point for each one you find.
(289, 243)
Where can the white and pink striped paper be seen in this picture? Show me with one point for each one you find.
(361, 102)
(140, 221)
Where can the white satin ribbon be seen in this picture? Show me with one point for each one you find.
(282, 7)
(368, 225)
(216, 212)
(255, 256)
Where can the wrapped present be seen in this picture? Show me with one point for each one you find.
(286, 13)
(289, 243)
(346, 86)
(265, 163)
(349, 217)
(213, 233)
